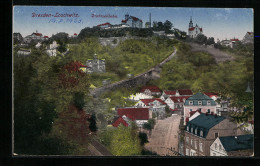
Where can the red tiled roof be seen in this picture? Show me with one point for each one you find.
(147, 101)
(193, 112)
(119, 121)
(175, 98)
(176, 109)
(46, 36)
(124, 21)
(134, 113)
(134, 18)
(107, 23)
(185, 92)
(170, 92)
(234, 39)
(75, 34)
(191, 29)
(151, 88)
(38, 34)
(250, 33)
(210, 94)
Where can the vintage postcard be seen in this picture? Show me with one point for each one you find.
(133, 81)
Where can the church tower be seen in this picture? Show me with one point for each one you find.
(190, 24)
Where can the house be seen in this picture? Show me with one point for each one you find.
(159, 33)
(241, 145)
(105, 25)
(24, 52)
(138, 115)
(202, 131)
(96, 65)
(138, 96)
(234, 42)
(38, 45)
(194, 31)
(45, 37)
(215, 96)
(156, 105)
(166, 94)
(176, 102)
(125, 121)
(51, 49)
(132, 21)
(229, 43)
(199, 101)
(248, 38)
(75, 35)
(17, 37)
(151, 90)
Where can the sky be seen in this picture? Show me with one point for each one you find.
(220, 23)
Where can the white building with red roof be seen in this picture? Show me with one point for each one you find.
(105, 25)
(138, 115)
(194, 31)
(167, 94)
(176, 102)
(156, 105)
(132, 21)
(151, 90)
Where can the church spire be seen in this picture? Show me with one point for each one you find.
(190, 24)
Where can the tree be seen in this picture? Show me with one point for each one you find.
(167, 26)
(201, 39)
(125, 142)
(143, 137)
(210, 41)
(93, 123)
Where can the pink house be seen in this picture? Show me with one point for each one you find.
(201, 102)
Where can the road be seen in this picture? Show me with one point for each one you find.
(165, 136)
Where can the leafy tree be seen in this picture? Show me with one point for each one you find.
(210, 41)
(147, 126)
(93, 123)
(125, 142)
(201, 39)
(143, 137)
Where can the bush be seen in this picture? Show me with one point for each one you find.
(143, 137)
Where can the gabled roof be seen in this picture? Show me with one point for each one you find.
(210, 94)
(234, 143)
(193, 28)
(204, 122)
(107, 23)
(37, 34)
(75, 34)
(151, 88)
(134, 18)
(148, 101)
(200, 97)
(121, 120)
(176, 99)
(46, 36)
(170, 92)
(134, 113)
(187, 92)
(234, 39)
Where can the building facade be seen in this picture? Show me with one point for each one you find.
(193, 31)
(241, 145)
(203, 130)
(96, 65)
(201, 102)
(132, 21)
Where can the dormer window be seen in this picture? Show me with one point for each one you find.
(201, 133)
(199, 102)
(208, 102)
(190, 102)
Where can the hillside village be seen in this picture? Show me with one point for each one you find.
(204, 122)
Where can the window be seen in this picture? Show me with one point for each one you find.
(216, 146)
(201, 133)
(208, 102)
(187, 128)
(191, 130)
(195, 144)
(208, 110)
(191, 142)
(214, 154)
(199, 102)
(196, 131)
(190, 102)
(187, 140)
(216, 135)
(201, 148)
(187, 152)
(220, 147)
